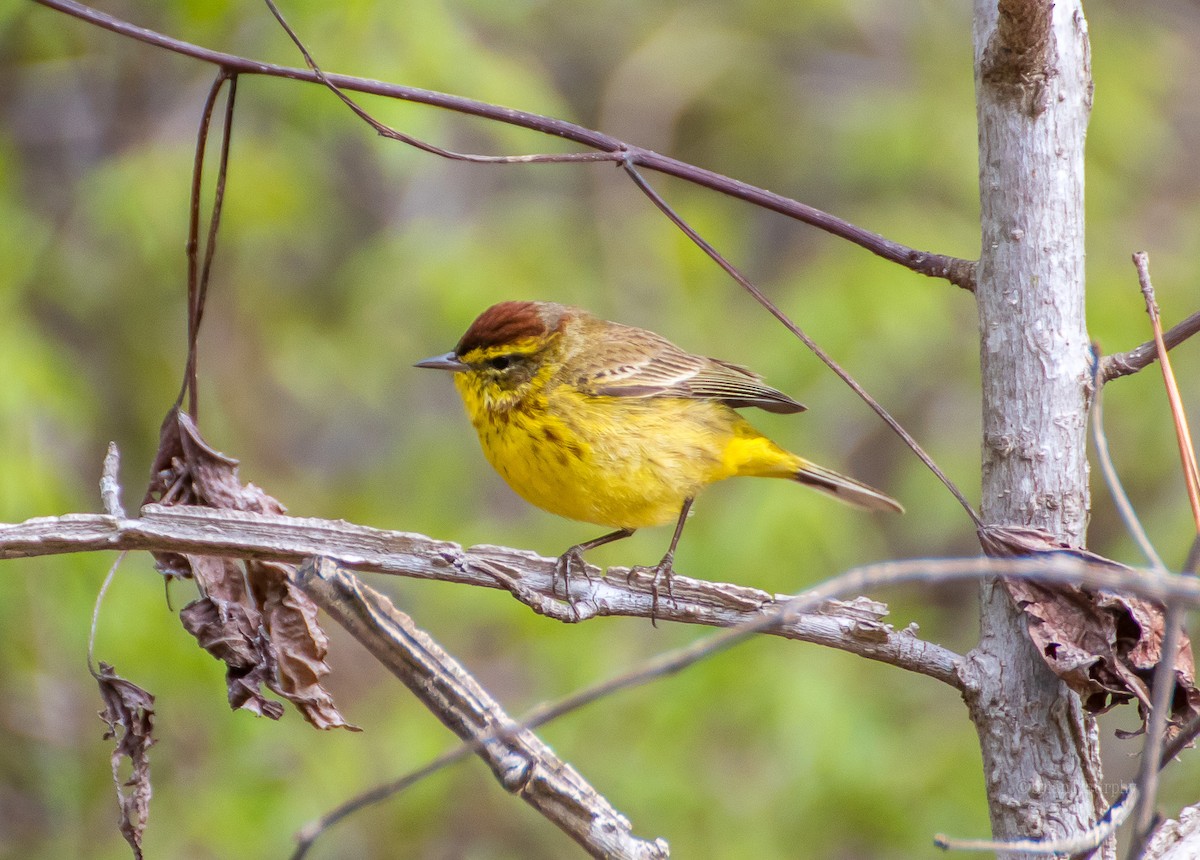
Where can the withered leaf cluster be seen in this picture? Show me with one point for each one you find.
(1105, 646)
(250, 614)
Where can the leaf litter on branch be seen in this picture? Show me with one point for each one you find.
(250, 615)
(1104, 645)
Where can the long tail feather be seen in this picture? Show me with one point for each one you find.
(846, 489)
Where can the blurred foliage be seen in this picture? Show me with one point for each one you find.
(344, 258)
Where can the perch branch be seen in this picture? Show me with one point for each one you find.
(856, 626)
(957, 271)
(1180, 591)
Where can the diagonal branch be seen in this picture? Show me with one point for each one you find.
(857, 627)
(957, 271)
(791, 326)
(521, 761)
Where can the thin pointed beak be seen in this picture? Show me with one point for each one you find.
(449, 361)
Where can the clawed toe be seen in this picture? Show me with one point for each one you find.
(660, 573)
(562, 571)
(569, 563)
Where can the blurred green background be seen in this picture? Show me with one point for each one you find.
(343, 258)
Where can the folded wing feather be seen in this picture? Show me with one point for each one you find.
(667, 371)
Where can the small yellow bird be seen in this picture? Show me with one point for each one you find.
(615, 425)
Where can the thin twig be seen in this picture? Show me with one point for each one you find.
(197, 275)
(1180, 741)
(1163, 684)
(1125, 363)
(1162, 693)
(791, 326)
(394, 134)
(1088, 840)
(953, 269)
(307, 835)
(1187, 451)
(1192, 563)
(214, 218)
(91, 648)
(1100, 442)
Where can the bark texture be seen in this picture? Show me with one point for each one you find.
(1034, 91)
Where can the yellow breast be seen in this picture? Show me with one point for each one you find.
(615, 461)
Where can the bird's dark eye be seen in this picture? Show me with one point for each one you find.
(499, 362)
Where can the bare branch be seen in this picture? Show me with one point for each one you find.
(957, 271)
(1049, 568)
(1124, 363)
(856, 627)
(522, 763)
(1052, 568)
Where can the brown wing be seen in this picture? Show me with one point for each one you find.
(647, 365)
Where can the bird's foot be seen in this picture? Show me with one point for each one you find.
(570, 562)
(661, 572)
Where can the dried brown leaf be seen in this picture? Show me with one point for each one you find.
(299, 645)
(188, 471)
(250, 614)
(129, 714)
(227, 631)
(1105, 646)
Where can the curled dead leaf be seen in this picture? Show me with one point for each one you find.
(1105, 646)
(129, 714)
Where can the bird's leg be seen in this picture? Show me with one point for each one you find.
(573, 558)
(664, 568)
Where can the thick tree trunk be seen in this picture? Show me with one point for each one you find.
(1033, 83)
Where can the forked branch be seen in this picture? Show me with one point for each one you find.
(957, 271)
